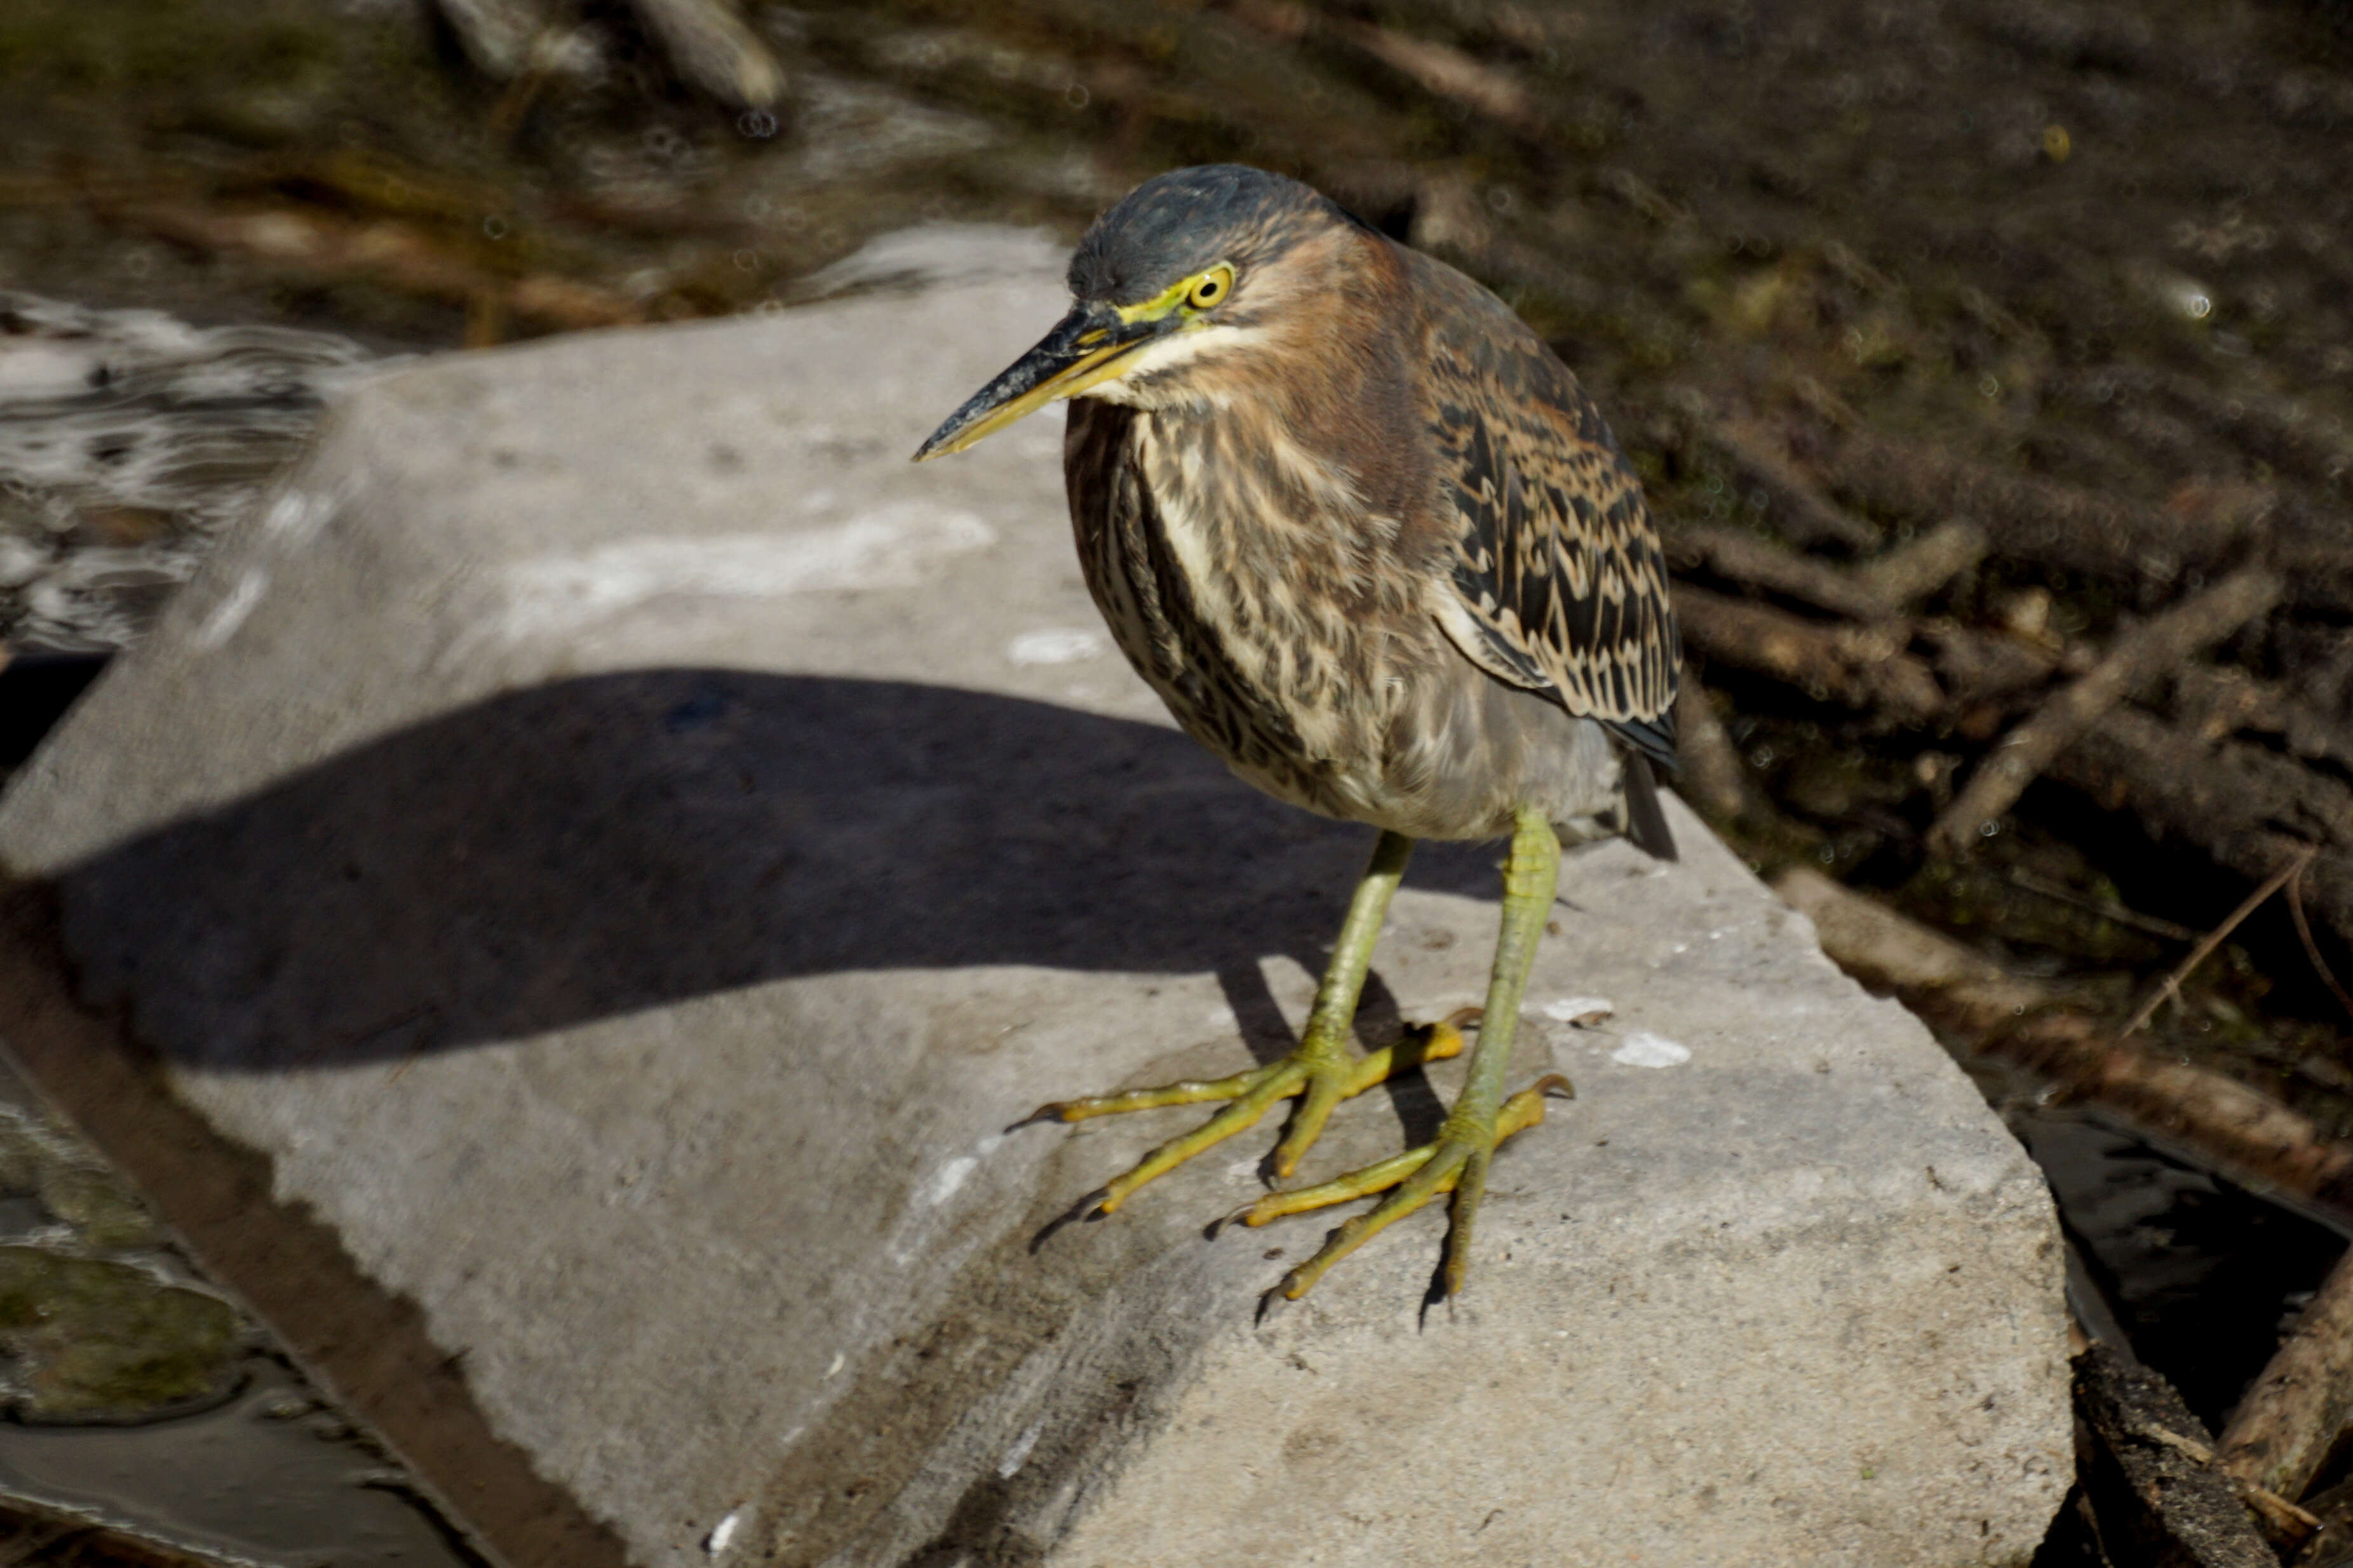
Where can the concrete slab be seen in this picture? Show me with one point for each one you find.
(623, 844)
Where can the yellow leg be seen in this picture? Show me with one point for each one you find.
(1322, 1071)
(1520, 1112)
(1253, 1093)
(1457, 1161)
(1427, 1043)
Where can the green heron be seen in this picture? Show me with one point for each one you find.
(1369, 541)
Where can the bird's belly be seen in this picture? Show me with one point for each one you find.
(1282, 643)
(1465, 754)
(1235, 622)
(1425, 744)
(1301, 743)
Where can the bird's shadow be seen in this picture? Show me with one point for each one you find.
(608, 844)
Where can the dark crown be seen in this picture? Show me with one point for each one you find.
(1173, 225)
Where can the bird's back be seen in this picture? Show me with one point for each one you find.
(1552, 554)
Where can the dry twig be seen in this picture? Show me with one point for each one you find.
(2020, 877)
(1985, 666)
(2139, 657)
(2171, 985)
(2289, 435)
(1916, 570)
(2245, 805)
(2037, 519)
(2259, 1142)
(2288, 1419)
(1760, 459)
(2219, 701)
(1435, 68)
(1447, 71)
(2152, 1481)
(1863, 666)
(1740, 556)
(2312, 948)
(1711, 775)
(394, 255)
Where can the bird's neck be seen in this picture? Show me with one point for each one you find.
(1321, 386)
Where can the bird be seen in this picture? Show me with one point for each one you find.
(1368, 538)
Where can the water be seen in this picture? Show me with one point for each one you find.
(2198, 1275)
(127, 441)
(2194, 1274)
(275, 1477)
(242, 1457)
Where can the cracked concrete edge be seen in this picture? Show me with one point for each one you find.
(366, 1346)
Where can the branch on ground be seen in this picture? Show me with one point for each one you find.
(2140, 658)
(1969, 997)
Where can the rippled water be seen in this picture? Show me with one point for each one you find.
(127, 441)
(260, 1467)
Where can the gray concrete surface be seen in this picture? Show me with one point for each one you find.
(625, 844)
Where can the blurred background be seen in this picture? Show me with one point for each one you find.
(1990, 363)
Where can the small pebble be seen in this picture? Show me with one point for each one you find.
(1582, 1010)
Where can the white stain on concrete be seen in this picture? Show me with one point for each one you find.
(1057, 645)
(1018, 1454)
(948, 1178)
(295, 518)
(1579, 1009)
(722, 1532)
(889, 547)
(221, 623)
(1645, 1049)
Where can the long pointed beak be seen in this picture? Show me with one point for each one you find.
(1091, 344)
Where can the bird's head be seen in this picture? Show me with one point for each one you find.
(1190, 270)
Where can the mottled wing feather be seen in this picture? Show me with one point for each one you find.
(1555, 559)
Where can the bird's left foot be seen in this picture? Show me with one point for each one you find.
(1456, 1162)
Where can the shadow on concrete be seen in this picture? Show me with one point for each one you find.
(608, 843)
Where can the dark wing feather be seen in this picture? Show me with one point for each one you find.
(1553, 557)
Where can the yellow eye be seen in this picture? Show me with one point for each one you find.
(1210, 287)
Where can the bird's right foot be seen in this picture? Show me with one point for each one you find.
(1321, 1072)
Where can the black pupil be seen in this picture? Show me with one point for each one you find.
(1208, 291)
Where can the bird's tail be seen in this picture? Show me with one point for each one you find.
(1646, 825)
